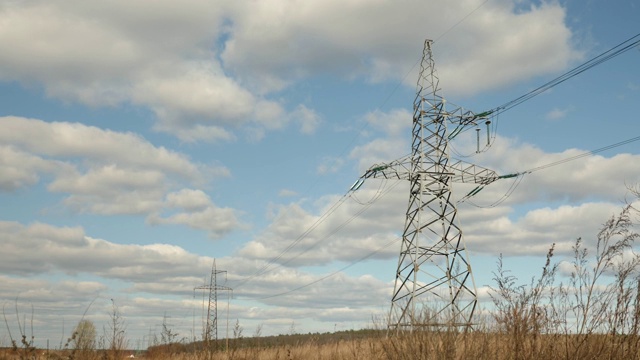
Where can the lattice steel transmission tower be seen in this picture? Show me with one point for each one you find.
(434, 285)
(211, 329)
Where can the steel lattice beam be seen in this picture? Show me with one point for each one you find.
(434, 284)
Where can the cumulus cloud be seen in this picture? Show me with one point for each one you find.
(146, 280)
(536, 230)
(307, 119)
(75, 140)
(209, 70)
(362, 292)
(69, 250)
(107, 172)
(394, 144)
(586, 177)
(333, 229)
(287, 193)
(498, 45)
(20, 169)
(196, 210)
(557, 113)
(100, 55)
(330, 165)
(74, 293)
(580, 195)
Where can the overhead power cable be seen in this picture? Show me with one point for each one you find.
(365, 257)
(588, 153)
(520, 174)
(605, 56)
(273, 261)
(333, 273)
(460, 21)
(619, 49)
(464, 199)
(366, 206)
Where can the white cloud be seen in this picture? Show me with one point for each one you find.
(534, 232)
(582, 179)
(63, 294)
(69, 250)
(202, 132)
(217, 221)
(195, 91)
(311, 237)
(307, 119)
(395, 125)
(157, 55)
(580, 195)
(75, 140)
(107, 172)
(207, 69)
(287, 193)
(20, 169)
(197, 211)
(502, 46)
(557, 113)
(188, 199)
(133, 274)
(330, 165)
(111, 190)
(496, 46)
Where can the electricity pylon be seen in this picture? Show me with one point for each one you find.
(434, 285)
(211, 330)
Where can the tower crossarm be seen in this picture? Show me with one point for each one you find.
(398, 169)
(464, 172)
(458, 172)
(462, 118)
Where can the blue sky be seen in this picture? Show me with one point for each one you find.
(141, 141)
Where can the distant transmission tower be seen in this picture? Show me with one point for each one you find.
(434, 285)
(211, 330)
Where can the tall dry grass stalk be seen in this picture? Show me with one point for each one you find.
(593, 314)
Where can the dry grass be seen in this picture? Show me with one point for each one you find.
(594, 315)
(435, 345)
(418, 345)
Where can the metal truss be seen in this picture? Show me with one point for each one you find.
(434, 285)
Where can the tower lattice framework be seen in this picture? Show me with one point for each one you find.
(434, 285)
(211, 327)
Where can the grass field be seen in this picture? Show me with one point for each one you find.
(594, 313)
(417, 345)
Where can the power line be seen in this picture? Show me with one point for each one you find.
(605, 56)
(366, 206)
(301, 237)
(520, 174)
(369, 255)
(464, 199)
(333, 273)
(267, 267)
(619, 49)
(592, 152)
(459, 22)
(270, 263)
